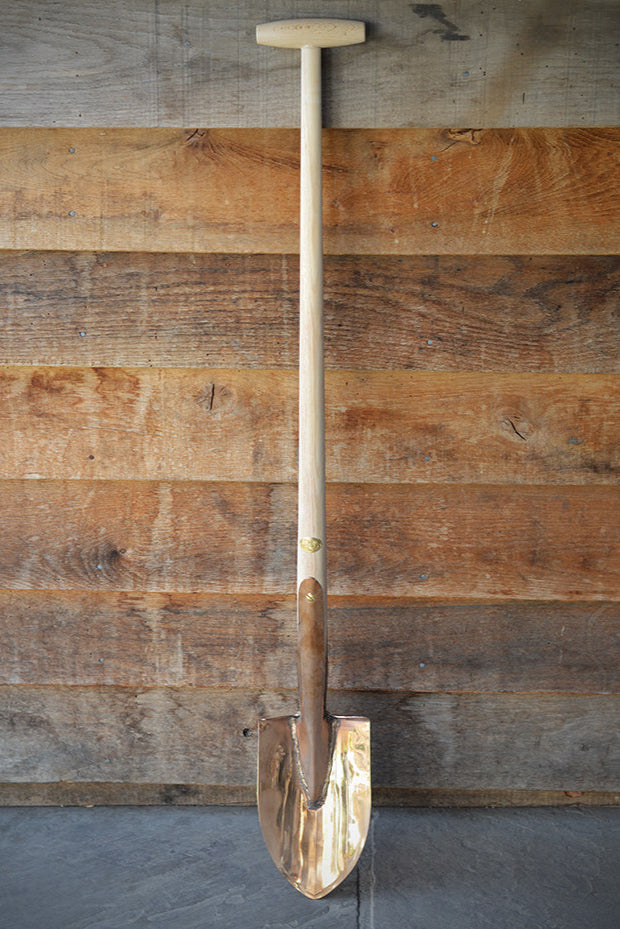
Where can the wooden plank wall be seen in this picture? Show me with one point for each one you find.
(148, 295)
(195, 63)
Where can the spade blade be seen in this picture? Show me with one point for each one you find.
(315, 845)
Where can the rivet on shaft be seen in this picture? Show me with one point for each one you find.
(310, 598)
(311, 544)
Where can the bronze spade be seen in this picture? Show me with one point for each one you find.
(313, 768)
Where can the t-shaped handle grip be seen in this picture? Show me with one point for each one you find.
(311, 33)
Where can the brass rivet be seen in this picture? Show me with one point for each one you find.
(310, 545)
(310, 598)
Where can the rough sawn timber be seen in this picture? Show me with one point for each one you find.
(441, 313)
(159, 62)
(107, 638)
(240, 425)
(202, 736)
(386, 191)
(119, 793)
(479, 541)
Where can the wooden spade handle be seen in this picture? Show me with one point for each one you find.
(311, 561)
(320, 33)
(313, 729)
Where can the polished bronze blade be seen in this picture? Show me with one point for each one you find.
(314, 844)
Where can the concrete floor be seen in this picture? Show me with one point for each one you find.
(197, 868)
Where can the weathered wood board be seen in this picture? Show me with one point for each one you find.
(240, 425)
(421, 540)
(88, 638)
(195, 735)
(386, 191)
(158, 62)
(439, 313)
(124, 793)
(148, 301)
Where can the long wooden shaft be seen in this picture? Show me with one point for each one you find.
(311, 560)
(311, 556)
(312, 731)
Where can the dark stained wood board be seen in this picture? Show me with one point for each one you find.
(392, 426)
(466, 313)
(202, 736)
(386, 191)
(422, 540)
(87, 638)
(110, 793)
(158, 62)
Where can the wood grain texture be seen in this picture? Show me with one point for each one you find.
(517, 314)
(149, 314)
(162, 63)
(106, 793)
(87, 638)
(195, 735)
(479, 541)
(240, 425)
(386, 191)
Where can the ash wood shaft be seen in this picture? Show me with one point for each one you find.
(311, 560)
(313, 730)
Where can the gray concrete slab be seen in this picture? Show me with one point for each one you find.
(186, 867)
(150, 868)
(503, 868)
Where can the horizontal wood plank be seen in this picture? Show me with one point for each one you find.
(162, 63)
(87, 638)
(196, 736)
(240, 425)
(386, 191)
(106, 793)
(479, 541)
(480, 313)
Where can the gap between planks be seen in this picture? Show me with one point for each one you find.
(83, 794)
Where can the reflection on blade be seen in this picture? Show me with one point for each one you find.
(314, 845)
